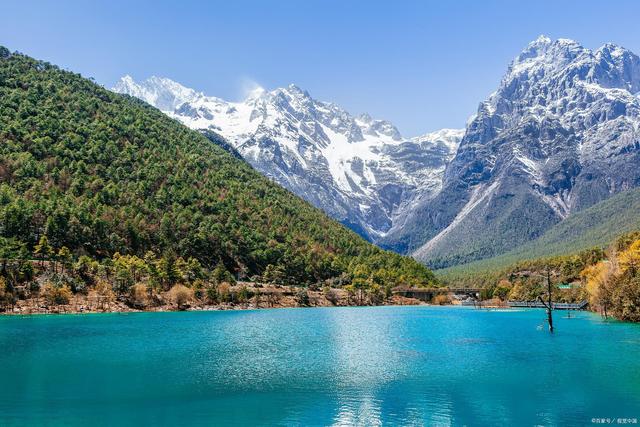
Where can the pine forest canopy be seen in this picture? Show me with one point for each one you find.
(101, 174)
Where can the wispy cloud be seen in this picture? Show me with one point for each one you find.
(249, 87)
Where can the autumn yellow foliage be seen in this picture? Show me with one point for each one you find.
(630, 258)
(613, 285)
(56, 295)
(139, 295)
(180, 295)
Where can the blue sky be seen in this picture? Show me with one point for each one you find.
(422, 65)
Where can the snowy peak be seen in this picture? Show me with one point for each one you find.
(377, 128)
(620, 68)
(542, 40)
(449, 138)
(163, 93)
(560, 133)
(358, 169)
(542, 57)
(545, 48)
(610, 66)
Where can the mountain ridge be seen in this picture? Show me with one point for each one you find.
(560, 134)
(359, 170)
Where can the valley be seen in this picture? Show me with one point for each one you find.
(336, 213)
(118, 199)
(559, 135)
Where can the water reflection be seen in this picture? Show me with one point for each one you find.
(365, 354)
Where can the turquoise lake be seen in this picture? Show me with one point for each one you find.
(334, 366)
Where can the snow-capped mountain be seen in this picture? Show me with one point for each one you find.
(561, 133)
(359, 170)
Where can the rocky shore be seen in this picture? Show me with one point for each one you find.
(257, 297)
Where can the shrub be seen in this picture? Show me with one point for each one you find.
(220, 275)
(180, 295)
(224, 292)
(4, 294)
(56, 295)
(302, 297)
(501, 292)
(330, 295)
(243, 295)
(139, 296)
(376, 296)
(199, 290)
(212, 295)
(103, 292)
(3, 287)
(442, 299)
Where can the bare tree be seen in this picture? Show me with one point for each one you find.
(548, 305)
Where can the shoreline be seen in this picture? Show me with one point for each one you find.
(209, 308)
(268, 298)
(235, 308)
(121, 308)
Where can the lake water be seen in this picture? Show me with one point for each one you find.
(335, 366)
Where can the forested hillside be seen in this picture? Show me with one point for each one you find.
(608, 278)
(100, 174)
(596, 226)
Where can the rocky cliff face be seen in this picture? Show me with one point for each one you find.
(359, 170)
(560, 134)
